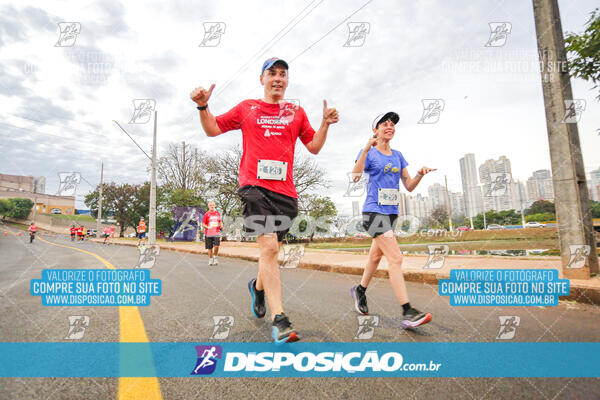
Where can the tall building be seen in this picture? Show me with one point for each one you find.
(457, 204)
(594, 185)
(470, 184)
(540, 186)
(497, 195)
(437, 194)
(418, 206)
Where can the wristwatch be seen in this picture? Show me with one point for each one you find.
(202, 108)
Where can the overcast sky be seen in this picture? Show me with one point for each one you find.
(59, 102)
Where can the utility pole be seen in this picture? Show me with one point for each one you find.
(99, 220)
(152, 225)
(571, 194)
(448, 207)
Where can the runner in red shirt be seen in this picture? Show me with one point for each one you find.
(73, 231)
(32, 230)
(80, 233)
(212, 224)
(270, 128)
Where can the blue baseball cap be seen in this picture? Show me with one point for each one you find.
(272, 61)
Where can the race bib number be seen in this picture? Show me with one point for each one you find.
(388, 197)
(272, 170)
(213, 224)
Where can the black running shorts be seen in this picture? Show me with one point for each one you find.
(266, 211)
(211, 241)
(377, 224)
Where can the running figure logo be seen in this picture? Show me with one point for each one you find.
(499, 32)
(223, 324)
(499, 183)
(212, 34)
(356, 188)
(437, 256)
(68, 33)
(148, 256)
(357, 33)
(579, 253)
(292, 255)
(432, 109)
(142, 110)
(207, 359)
(508, 327)
(68, 183)
(77, 326)
(573, 110)
(366, 326)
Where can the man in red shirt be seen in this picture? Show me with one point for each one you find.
(73, 231)
(80, 233)
(212, 224)
(32, 230)
(270, 128)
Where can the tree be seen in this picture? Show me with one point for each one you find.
(541, 206)
(583, 51)
(507, 217)
(16, 207)
(317, 207)
(438, 218)
(126, 202)
(595, 209)
(181, 167)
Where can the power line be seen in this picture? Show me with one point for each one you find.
(332, 29)
(150, 158)
(268, 45)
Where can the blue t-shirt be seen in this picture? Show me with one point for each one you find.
(384, 172)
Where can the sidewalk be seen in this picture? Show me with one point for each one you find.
(344, 262)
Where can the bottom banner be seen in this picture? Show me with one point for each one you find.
(308, 359)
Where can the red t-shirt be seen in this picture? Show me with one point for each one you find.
(73, 230)
(269, 133)
(80, 231)
(32, 228)
(213, 220)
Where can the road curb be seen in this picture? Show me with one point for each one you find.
(581, 294)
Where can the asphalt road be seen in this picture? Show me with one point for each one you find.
(318, 304)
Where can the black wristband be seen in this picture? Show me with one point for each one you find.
(202, 108)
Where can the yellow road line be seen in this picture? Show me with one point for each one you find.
(131, 329)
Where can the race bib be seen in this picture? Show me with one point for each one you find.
(388, 197)
(272, 170)
(213, 224)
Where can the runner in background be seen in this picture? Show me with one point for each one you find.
(80, 233)
(386, 167)
(106, 234)
(73, 231)
(212, 224)
(32, 230)
(141, 230)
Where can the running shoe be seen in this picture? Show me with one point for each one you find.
(215, 261)
(360, 300)
(258, 299)
(210, 261)
(414, 318)
(283, 331)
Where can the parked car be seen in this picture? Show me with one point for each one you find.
(492, 227)
(56, 211)
(463, 228)
(92, 233)
(533, 224)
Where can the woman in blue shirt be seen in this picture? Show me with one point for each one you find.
(386, 167)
